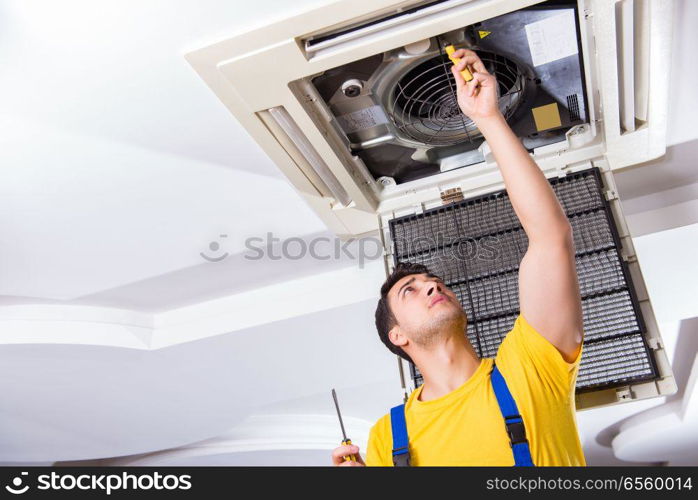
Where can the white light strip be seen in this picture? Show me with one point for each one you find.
(298, 138)
(361, 31)
(626, 64)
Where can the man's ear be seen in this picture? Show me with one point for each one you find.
(397, 337)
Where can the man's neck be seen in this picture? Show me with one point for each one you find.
(446, 367)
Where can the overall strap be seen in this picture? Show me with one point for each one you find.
(513, 421)
(401, 452)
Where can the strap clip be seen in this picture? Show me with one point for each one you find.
(516, 430)
(397, 451)
(402, 459)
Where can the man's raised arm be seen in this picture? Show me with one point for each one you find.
(548, 288)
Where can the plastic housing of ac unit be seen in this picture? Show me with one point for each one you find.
(253, 72)
(269, 68)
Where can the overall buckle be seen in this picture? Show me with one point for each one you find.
(401, 457)
(516, 430)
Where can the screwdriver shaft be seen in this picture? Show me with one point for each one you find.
(341, 423)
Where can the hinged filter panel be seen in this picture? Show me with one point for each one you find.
(476, 246)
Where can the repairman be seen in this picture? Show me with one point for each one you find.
(517, 408)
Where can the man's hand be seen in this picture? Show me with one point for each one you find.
(477, 98)
(340, 452)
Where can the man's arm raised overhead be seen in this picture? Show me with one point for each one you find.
(548, 289)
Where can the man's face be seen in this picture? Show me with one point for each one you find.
(424, 307)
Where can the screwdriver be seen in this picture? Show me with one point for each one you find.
(346, 440)
(450, 49)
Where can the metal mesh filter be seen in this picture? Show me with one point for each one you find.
(476, 246)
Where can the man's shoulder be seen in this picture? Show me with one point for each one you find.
(379, 442)
(532, 364)
(524, 344)
(380, 434)
(381, 424)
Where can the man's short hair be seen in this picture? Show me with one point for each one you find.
(385, 319)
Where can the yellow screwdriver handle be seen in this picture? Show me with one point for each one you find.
(467, 76)
(350, 458)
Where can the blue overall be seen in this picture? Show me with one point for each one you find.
(512, 420)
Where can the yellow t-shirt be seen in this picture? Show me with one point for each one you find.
(466, 427)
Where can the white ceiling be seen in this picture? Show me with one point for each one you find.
(118, 167)
(68, 402)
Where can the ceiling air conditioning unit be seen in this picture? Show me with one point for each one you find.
(355, 102)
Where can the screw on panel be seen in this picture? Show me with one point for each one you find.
(624, 394)
(654, 343)
(352, 88)
(610, 195)
(386, 181)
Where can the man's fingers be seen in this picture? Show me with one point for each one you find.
(479, 80)
(351, 463)
(345, 450)
(471, 86)
(471, 59)
(340, 452)
(475, 62)
(456, 69)
(482, 79)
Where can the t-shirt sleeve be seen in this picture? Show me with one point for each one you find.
(526, 354)
(377, 449)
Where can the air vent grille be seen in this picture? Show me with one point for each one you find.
(573, 107)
